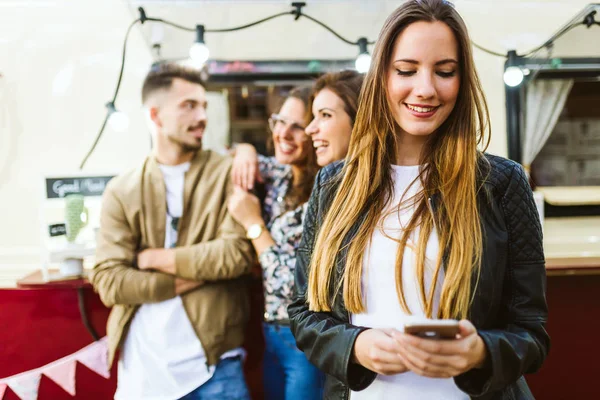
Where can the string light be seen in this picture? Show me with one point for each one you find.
(199, 52)
(513, 76)
(117, 120)
(363, 61)
(199, 55)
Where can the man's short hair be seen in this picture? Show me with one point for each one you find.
(161, 77)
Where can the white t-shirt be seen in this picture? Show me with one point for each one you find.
(162, 357)
(381, 300)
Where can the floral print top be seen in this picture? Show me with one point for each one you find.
(278, 261)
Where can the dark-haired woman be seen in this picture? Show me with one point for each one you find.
(275, 232)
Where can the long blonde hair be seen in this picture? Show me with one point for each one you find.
(449, 170)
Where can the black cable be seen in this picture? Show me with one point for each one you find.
(114, 98)
(488, 51)
(173, 24)
(236, 28)
(331, 30)
(260, 21)
(548, 44)
(89, 153)
(588, 21)
(550, 41)
(123, 59)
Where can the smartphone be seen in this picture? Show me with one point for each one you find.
(433, 328)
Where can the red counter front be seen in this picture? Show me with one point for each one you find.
(41, 323)
(38, 326)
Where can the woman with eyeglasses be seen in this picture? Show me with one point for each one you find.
(275, 232)
(333, 103)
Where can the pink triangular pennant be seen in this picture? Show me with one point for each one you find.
(26, 386)
(63, 375)
(6, 393)
(95, 357)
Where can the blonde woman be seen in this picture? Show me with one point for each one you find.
(419, 223)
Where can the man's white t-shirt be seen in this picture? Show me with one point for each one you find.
(381, 300)
(162, 357)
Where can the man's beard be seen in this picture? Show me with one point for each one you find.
(189, 149)
(185, 147)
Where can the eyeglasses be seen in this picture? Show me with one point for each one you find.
(277, 122)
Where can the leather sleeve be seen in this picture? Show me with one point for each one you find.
(520, 343)
(328, 342)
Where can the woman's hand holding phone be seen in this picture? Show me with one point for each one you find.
(443, 358)
(376, 349)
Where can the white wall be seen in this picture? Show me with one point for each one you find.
(497, 25)
(59, 61)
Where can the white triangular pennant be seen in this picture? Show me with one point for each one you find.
(25, 386)
(95, 357)
(63, 375)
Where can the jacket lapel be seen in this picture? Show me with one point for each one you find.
(192, 176)
(155, 197)
(155, 200)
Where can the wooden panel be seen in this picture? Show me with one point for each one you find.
(571, 369)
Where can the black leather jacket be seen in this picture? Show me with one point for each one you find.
(509, 308)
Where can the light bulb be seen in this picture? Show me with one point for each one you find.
(513, 76)
(199, 53)
(363, 62)
(118, 121)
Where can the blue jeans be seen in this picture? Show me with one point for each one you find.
(227, 383)
(287, 374)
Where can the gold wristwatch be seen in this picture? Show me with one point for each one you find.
(254, 231)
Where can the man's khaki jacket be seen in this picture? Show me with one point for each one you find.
(211, 247)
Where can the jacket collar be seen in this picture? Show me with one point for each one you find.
(155, 197)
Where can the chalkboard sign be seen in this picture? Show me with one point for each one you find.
(57, 188)
(57, 230)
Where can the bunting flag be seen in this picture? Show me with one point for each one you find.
(62, 372)
(6, 393)
(96, 357)
(25, 385)
(63, 376)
